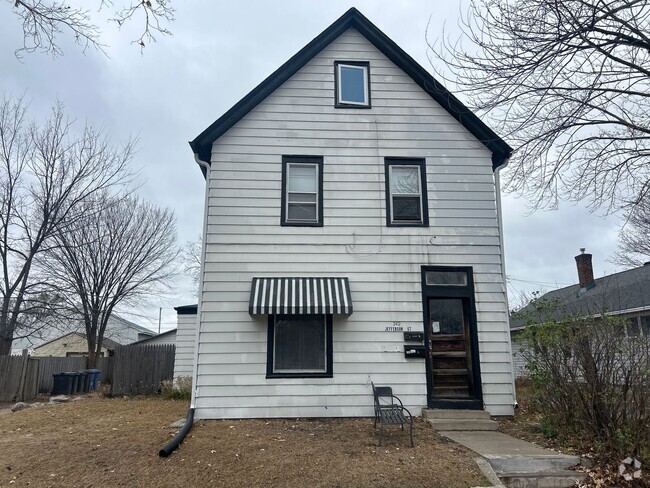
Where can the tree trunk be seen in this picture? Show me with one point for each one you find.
(5, 346)
(91, 360)
(6, 330)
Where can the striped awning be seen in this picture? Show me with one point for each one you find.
(300, 296)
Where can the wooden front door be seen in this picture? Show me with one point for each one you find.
(450, 338)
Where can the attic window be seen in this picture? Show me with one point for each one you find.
(352, 84)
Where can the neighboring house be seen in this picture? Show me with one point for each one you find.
(185, 340)
(126, 332)
(165, 338)
(73, 344)
(352, 234)
(625, 294)
(118, 330)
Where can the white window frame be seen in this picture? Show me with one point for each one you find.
(366, 95)
(289, 192)
(419, 194)
(298, 372)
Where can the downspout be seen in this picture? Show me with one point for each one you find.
(178, 438)
(497, 184)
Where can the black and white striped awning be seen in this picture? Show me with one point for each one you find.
(300, 296)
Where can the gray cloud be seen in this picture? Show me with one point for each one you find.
(219, 52)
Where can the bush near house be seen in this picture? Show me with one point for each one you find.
(589, 381)
(178, 389)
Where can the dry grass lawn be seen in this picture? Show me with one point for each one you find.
(115, 442)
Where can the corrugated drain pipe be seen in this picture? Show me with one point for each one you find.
(178, 438)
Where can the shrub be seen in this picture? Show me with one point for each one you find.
(178, 389)
(589, 379)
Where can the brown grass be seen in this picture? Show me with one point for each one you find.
(102, 442)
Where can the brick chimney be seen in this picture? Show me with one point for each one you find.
(585, 270)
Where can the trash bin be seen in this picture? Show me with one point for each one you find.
(81, 384)
(75, 381)
(62, 384)
(93, 382)
(87, 380)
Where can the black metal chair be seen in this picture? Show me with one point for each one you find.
(389, 410)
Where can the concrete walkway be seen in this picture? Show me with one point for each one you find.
(519, 463)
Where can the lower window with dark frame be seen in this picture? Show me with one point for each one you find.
(406, 192)
(299, 346)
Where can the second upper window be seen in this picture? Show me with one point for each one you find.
(352, 84)
(302, 191)
(406, 192)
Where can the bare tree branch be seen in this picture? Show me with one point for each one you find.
(191, 256)
(121, 251)
(634, 237)
(567, 83)
(45, 21)
(47, 174)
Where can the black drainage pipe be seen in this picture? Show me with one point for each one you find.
(178, 438)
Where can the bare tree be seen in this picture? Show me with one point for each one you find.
(45, 20)
(567, 83)
(191, 256)
(46, 176)
(634, 237)
(120, 254)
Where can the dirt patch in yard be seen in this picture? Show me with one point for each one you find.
(101, 442)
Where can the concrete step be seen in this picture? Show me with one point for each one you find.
(452, 414)
(543, 479)
(534, 463)
(464, 425)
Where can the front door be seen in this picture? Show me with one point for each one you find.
(453, 378)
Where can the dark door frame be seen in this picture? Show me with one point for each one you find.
(475, 401)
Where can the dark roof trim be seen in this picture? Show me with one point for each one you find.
(202, 145)
(186, 310)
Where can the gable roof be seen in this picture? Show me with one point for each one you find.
(202, 144)
(618, 293)
(127, 323)
(107, 343)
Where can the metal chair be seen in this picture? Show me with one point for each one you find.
(390, 410)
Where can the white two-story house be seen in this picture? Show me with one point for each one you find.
(352, 234)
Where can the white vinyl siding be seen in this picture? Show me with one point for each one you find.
(244, 240)
(185, 338)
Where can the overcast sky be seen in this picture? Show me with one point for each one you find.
(219, 51)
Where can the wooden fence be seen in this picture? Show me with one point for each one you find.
(139, 370)
(18, 378)
(133, 370)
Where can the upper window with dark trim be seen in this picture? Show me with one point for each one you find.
(299, 346)
(406, 192)
(352, 84)
(302, 191)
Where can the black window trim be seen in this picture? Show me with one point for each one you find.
(270, 348)
(398, 161)
(337, 104)
(286, 160)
